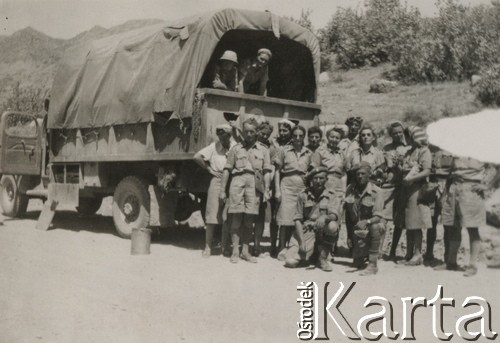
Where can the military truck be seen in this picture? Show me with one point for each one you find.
(130, 111)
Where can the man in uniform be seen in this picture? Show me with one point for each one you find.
(264, 131)
(364, 204)
(463, 206)
(316, 221)
(249, 164)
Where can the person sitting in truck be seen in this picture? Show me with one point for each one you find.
(226, 72)
(254, 73)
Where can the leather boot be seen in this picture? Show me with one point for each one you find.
(372, 268)
(323, 263)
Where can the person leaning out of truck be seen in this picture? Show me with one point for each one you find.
(254, 73)
(226, 72)
(249, 164)
(213, 159)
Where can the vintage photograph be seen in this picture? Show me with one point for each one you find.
(233, 171)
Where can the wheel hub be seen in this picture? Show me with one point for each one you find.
(10, 192)
(130, 208)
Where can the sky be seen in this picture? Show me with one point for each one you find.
(67, 18)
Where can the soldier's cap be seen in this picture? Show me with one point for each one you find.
(223, 128)
(230, 55)
(287, 122)
(315, 171)
(363, 166)
(265, 51)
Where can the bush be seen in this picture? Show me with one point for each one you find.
(419, 116)
(360, 38)
(25, 99)
(456, 44)
(488, 88)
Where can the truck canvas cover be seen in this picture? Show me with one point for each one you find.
(126, 78)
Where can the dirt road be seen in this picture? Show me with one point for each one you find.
(78, 283)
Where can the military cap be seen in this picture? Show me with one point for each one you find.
(315, 171)
(223, 128)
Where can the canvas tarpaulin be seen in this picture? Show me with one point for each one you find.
(126, 78)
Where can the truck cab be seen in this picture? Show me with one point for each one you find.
(22, 151)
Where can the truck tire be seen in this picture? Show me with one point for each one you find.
(14, 204)
(131, 206)
(89, 206)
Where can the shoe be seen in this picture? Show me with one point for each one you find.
(248, 258)
(470, 271)
(371, 269)
(324, 265)
(358, 262)
(432, 262)
(256, 251)
(415, 261)
(234, 258)
(441, 267)
(206, 253)
(282, 255)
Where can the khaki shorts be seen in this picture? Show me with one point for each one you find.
(463, 207)
(243, 197)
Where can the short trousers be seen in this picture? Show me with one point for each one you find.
(243, 197)
(463, 207)
(214, 208)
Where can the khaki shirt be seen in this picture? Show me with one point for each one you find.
(441, 161)
(333, 160)
(254, 77)
(468, 169)
(364, 205)
(287, 160)
(374, 156)
(310, 208)
(417, 159)
(242, 159)
(394, 155)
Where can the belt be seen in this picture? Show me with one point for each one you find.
(243, 172)
(293, 172)
(468, 181)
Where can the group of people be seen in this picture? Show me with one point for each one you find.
(250, 76)
(307, 191)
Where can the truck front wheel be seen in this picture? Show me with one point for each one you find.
(14, 204)
(131, 206)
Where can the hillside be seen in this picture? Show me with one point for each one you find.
(347, 94)
(29, 57)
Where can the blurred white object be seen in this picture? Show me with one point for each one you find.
(475, 135)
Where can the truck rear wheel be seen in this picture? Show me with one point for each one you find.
(14, 204)
(131, 206)
(89, 206)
